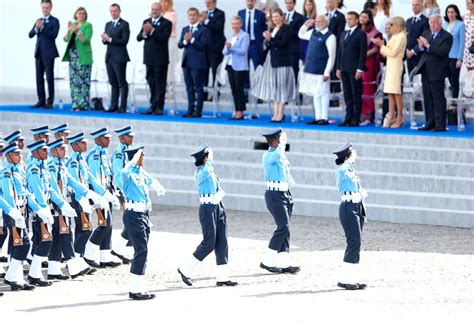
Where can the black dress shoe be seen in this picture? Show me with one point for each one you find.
(141, 296)
(121, 257)
(92, 263)
(84, 272)
(48, 106)
(3, 259)
(438, 129)
(188, 114)
(227, 283)
(185, 279)
(39, 104)
(313, 122)
(271, 269)
(333, 103)
(196, 115)
(426, 128)
(353, 124)
(110, 264)
(291, 270)
(362, 286)
(111, 110)
(29, 261)
(44, 264)
(2, 275)
(121, 110)
(349, 286)
(58, 277)
(15, 286)
(158, 113)
(323, 122)
(1, 294)
(344, 123)
(148, 112)
(39, 282)
(91, 271)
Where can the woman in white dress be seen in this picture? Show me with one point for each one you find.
(170, 14)
(382, 16)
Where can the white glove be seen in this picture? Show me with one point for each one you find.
(103, 203)
(20, 223)
(363, 193)
(45, 215)
(219, 195)
(68, 211)
(156, 185)
(112, 199)
(16, 215)
(86, 207)
(210, 155)
(93, 196)
(136, 157)
(283, 140)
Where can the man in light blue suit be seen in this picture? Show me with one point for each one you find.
(237, 65)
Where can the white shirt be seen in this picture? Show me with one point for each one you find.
(251, 17)
(289, 14)
(193, 29)
(233, 40)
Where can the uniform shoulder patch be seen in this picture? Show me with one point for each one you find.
(73, 164)
(7, 174)
(119, 155)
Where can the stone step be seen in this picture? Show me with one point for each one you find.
(323, 176)
(320, 160)
(331, 194)
(314, 207)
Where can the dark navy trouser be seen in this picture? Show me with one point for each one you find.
(280, 205)
(40, 248)
(102, 235)
(62, 244)
(214, 231)
(80, 236)
(137, 226)
(351, 216)
(17, 252)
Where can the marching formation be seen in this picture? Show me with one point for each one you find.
(58, 209)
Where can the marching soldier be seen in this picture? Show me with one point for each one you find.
(61, 131)
(39, 133)
(213, 221)
(126, 136)
(279, 203)
(351, 215)
(100, 168)
(15, 194)
(62, 245)
(37, 178)
(17, 138)
(136, 183)
(79, 171)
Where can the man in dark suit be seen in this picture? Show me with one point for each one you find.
(350, 66)
(46, 30)
(193, 40)
(416, 26)
(295, 20)
(434, 46)
(156, 32)
(337, 24)
(214, 20)
(254, 23)
(116, 36)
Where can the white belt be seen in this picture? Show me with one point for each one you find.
(278, 185)
(209, 199)
(139, 207)
(354, 197)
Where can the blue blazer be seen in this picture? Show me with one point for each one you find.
(194, 55)
(457, 50)
(239, 52)
(46, 39)
(259, 23)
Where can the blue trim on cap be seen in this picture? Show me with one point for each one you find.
(37, 145)
(10, 148)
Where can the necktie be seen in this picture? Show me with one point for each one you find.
(154, 21)
(287, 17)
(348, 33)
(249, 21)
(413, 21)
(433, 36)
(330, 16)
(191, 29)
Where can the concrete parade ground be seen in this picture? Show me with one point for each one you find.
(415, 274)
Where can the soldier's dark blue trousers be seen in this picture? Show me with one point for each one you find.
(102, 235)
(214, 231)
(280, 205)
(80, 236)
(40, 248)
(62, 244)
(137, 226)
(351, 216)
(17, 252)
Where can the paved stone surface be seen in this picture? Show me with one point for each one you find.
(415, 273)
